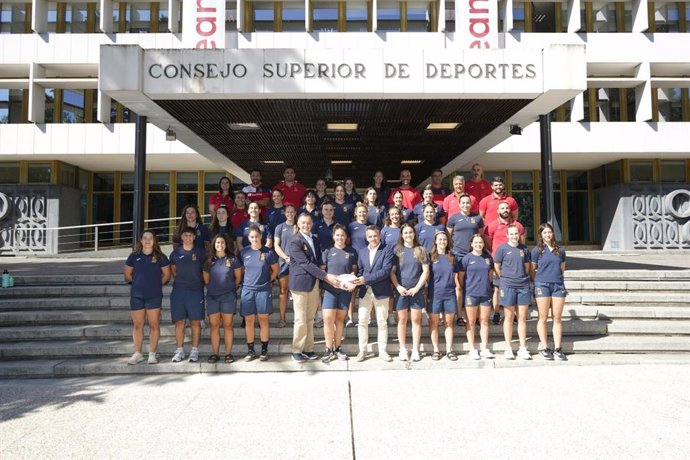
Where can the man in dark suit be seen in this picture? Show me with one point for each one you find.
(375, 265)
(305, 261)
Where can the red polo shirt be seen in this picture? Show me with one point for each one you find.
(489, 206)
(451, 205)
(218, 199)
(497, 232)
(478, 189)
(411, 196)
(237, 216)
(292, 194)
(440, 194)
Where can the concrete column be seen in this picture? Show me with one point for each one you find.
(106, 19)
(174, 15)
(103, 108)
(374, 8)
(37, 98)
(307, 17)
(643, 93)
(578, 110)
(507, 7)
(640, 16)
(574, 16)
(39, 16)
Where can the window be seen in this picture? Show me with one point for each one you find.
(612, 173)
(672, 170)
(605, 18)
(293, 16)
(325, 17)
(13, 18)
(450, 17)
(68, 176)
(670, 102)
(73, 106)
(76, 15)
(186, 187)
(418, 17)
(666, 18)
(388, 17)
(264, 16)
(159, 204)
(544, 17)
(138, 17)
(522, 190)
(518, 17)
(356, 17)
(9, 173)
(10, 105)
(39, 173)
(641, 171)
(126, 206)
(103, 205)
(577, 197)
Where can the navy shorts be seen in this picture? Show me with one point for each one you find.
(149, 303)
(256, 302)
(405, 302)
(496, 281)
(478, 300)
(284, 269)
(338, 300)
(444, 306)
(512, 296)
(549, 290)
(222, 303)
(186, 304)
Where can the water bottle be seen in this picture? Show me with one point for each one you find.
(11, 281)
(5, 278)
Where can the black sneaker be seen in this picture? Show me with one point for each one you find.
(264, 355)
(250, 356)
(341, 354)
(496, 320)
(547, 354)
(328, 356)
(559, 355)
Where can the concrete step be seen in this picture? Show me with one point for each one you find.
(633, 285)
(80, 367)
(632, 297)
(664, 327)
(94, 290)
(122, 315)
(632, 275)
(616, 312)
(67, 279)
(101, 348)
(124, 331)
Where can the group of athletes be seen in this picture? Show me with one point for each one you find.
(455, 255)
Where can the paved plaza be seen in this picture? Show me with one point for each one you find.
(585, 411)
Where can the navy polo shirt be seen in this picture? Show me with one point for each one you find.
(343, 213)
(442, 278)
(146, 278)
(512, 260)
(257, 268)
(243, 231)
(339, 262)
(200, 238)
(409, 269)
(426, 233)
(375, 215)
(548, 266)
(222, 271)
(358, 235)
(188, 268)
(390, 235)
(324, 233)
(419, 212)
(477, 270)
(463, 228)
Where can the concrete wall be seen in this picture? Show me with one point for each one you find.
(645, 216)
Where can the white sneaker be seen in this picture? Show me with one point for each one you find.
(402, 356)
(508, 353)
(486, 354)
(523, 353)
(194, 355)
(153, 357)
(474, 355)
(178, 356)
(415, 356)
(136, 358)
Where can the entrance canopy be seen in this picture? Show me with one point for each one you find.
(349, 111)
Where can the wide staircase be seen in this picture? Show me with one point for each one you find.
(64, 325)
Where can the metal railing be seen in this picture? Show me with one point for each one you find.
(81, 238)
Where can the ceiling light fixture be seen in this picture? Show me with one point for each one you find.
(273, 162)
(170, 135)
(243, 126)
(515, 130)
(341, 162)
(341, 126)
(411, 162)
(442, 126)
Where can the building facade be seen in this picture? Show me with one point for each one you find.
(618, 97)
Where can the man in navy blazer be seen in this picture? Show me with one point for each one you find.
(375, 265)
(305, 271)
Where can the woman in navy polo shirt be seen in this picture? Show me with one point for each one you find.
(280, 240)
(148, 269)
(187, 297)
(428, 227)
(512, 265)
(375, 212)
(390, 234)
(409, 276)
(309, 206)
(357, 229)
(222, 275)
(220, 225)
(339, 259)
(260, 271)
(275, 215)
(406, 214)
(548, 265)
(241, 233)
(477, 269)
(344, 211)
(443, 283)
(191, 218)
